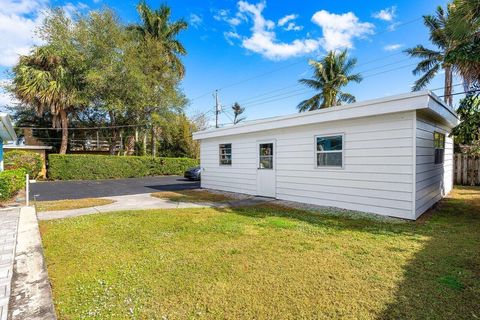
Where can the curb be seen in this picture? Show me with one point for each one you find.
(31, 295)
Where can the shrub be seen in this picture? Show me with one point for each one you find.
(18, 159)
(11, 181)
(94, 167)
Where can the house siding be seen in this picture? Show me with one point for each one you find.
(432, 181)
(377, 175)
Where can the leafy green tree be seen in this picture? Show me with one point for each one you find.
(468, 131)
(433, 61)
(159, 64)
(330, 75)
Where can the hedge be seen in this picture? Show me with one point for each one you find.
(11, 181)
(19, 159)
(94, 167)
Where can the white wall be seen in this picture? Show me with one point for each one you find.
(377, 177)
(433, 181)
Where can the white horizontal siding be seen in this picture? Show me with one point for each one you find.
(433, 181)
(378, 165)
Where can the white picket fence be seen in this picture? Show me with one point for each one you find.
(467, 170)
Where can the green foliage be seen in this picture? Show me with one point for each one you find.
(19, 159)
(330, 75)
(94, 167)
(11, 181)
(467, 133)
(176, 136)
(433, 61)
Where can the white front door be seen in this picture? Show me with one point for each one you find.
(266, 169)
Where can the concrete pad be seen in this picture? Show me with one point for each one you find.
(141, 201)
(145, 201)
(31, 296)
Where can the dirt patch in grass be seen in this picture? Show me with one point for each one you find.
(71, 204)
(266, 263)
(192, 196)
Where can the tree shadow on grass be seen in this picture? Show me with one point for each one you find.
(442, 281)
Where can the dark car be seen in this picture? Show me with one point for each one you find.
(193, 173)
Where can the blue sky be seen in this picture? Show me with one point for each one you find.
(255, 51)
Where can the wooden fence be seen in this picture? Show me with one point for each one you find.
(466, 170)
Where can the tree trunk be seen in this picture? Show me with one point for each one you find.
(144, 146)
(114, 136)
(448, 86)
(154, 142)
(64, 124)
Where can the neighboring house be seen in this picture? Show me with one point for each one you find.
(389, 156)
(7, 133)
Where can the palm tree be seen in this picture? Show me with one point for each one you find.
(237, 112)
(43, 82)
(464, 28)
(330, 74)
(156, 25)
(434, 60)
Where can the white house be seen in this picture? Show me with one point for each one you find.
(389, 156)
(7, 133)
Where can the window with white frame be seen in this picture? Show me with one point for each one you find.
(225, 154)
(329, 151)
(439, 144)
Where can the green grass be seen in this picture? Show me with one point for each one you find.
(191, 196)
(70, 204)
(266, 263)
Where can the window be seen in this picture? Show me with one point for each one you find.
(265, 157)
(225, 154)
(439, 144)
(329, 151)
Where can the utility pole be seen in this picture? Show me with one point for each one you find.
(218, 108)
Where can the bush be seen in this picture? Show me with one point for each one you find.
(11, 181)
(18, 159)
(94, 167)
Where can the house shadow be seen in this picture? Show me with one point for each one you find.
(442, 281)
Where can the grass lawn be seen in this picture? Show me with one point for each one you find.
(192, 196)
(266, 263)
(71, 204)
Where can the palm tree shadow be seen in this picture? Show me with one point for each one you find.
(443, 279)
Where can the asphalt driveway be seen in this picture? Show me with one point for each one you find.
(60, 190)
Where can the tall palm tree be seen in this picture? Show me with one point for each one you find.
(156, 25)
(42, 81)
(464, 28)
(330, 75)
(434, 60)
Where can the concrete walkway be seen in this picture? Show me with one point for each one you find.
(143, 202)
(31, 296)
(8, 238)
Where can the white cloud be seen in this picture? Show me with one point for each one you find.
(195, 20)
(224, 15)
(230, 35)
(387, 14)
(18, 21)
(288, 22)
(283, 21)
(392, 47)
(292, 26)
(263, 39)
(339, 30)
(6, 99)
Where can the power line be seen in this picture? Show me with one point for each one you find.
(301, 61)
(84, 128)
